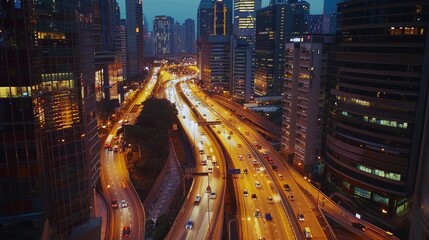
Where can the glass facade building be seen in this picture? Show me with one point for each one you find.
(48, 155)
(377, 102)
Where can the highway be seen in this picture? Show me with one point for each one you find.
(252, 225)
(207, 214)
(115, 180)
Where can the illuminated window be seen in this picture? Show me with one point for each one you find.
(362, 192)
(380, 199)
(393, 176)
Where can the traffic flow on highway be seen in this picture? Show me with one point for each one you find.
(273, 201)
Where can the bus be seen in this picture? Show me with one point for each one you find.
(307, 233)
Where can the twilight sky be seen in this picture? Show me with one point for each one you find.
(180, 10)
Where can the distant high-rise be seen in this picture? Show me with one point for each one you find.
(161, 32)
(244, 18)
(189, 36)
(205, 20)
(49, 157)
(296, 21)
(177, 38)
(330, 13)
(135, 39)
(378, 104)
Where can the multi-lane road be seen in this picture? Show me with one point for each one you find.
(266, 208)
(127, 219)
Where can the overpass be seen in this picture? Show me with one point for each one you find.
(264, 126)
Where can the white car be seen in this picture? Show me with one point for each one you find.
(257, 184)
(124, 204)
(189, 224)
(212, 195)
(270, 199)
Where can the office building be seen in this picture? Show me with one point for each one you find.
(188, 42)
(242, 70)
(305, 101)
(269, 50)
(244, 19)
(48, 157)
(378, 105)
(135, 39)
(215, 59)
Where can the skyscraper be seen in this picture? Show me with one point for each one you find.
(378, 103)
(242, 69)
(330, 13)
(205, 20)
(244, 18)
(189, 36)
(162, 35)
(135, 39)
(220, 12)
(48, 155)
(269, 50)
(296, 21)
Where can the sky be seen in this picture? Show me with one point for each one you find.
(180, 10)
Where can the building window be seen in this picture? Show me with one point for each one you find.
(380, 199)
(346, 184)
(362, 192)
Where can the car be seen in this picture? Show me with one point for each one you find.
(212, 195)
(229, 137)
(239, 145)
(209, 157)
(202, 142)
(301, 217)
(204, 115)
(270, 199)
(203, 162)
(245, 171)
(247, 133)
(189, 224)
(197, 199)
(201, 151)
(291, 197)
(240, 157)
(359, 226)
(210, 169)
(218, 132)
(124, 204)
(286, 187)
(257, 184)
(249, 155)
(184, 117)
(257, 213)
(268, 217)
(254, 197)
(280, 176)
(114, 203)
(126, 232)
(208, 189)
(214, 163)
(274, 167)
(245, 193)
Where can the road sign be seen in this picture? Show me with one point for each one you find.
(233, 171)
